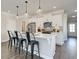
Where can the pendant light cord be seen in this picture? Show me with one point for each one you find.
(39, 4)
(26, 6)
(17, 10)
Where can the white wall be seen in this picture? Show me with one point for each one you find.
(72, 21)
(8, 22)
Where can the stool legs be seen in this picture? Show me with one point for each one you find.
(19, 47)
(9, 44)
(38, 50)
(22, 46)
(26, 51)
(32, 49)
(16, 45)
(14, 42)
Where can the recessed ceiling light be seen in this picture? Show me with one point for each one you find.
(73, 16)
(54, 7)
(8, 11)
(75, 10)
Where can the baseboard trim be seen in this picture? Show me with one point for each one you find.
(72, 36)
(60, 44)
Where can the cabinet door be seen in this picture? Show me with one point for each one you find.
(57, 19)
(59, 38)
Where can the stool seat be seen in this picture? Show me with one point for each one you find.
(13, 37)
(33, 42)
(22, 39)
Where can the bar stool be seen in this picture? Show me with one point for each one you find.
(20, 40)
(32, 43)
(11, 39)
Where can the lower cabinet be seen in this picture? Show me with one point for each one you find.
(60, 38)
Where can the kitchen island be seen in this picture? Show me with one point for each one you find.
(47, 45)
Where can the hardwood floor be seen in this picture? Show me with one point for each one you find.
(67, 51)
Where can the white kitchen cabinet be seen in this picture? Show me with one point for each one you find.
(57, 19)
(60, 38)
(61, 21)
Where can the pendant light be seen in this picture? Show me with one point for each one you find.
(17, 11)
(39, 8)
(26, 8)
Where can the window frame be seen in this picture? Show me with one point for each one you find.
(72, 27)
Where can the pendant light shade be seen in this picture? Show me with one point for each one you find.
(26, 14)
(39, 8)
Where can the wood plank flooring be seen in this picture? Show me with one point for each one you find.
(67, 51)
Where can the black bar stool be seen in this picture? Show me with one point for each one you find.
(11, 39)
(20, 40)
(32, 43)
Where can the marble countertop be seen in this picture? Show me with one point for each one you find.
(41, 35)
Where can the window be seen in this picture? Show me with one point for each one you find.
(72, 27)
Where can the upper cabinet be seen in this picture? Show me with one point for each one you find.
(57, 19)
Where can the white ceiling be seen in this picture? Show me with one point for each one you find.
(47, 5)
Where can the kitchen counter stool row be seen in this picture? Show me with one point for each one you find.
(16, 38)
